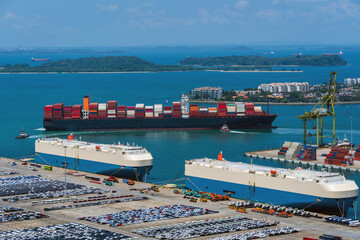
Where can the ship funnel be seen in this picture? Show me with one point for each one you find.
(220, 156)
(70, 137)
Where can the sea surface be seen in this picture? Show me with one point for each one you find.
(23, 96)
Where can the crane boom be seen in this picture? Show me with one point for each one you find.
(324, 108)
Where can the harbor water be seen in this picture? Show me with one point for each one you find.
(23, 97)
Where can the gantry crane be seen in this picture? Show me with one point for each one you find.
(324, 108)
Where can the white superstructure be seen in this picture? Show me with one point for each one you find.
(299, 181)
(116, 154)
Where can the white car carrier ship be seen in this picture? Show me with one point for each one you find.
(312, 190)
(126, 161)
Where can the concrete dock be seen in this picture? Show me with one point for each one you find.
(272, 155)
(312, 227)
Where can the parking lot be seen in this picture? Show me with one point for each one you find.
(179, 217)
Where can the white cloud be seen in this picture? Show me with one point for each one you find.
(9, 16)
(110, 7)
(241, 4)
(269, 14)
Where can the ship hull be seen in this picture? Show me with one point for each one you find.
(136, 173)
(338, 206)
(248, 122)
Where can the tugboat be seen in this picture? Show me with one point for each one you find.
(22, 135)
(225, 128)
(344, 143)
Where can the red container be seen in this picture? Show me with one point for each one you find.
(112, 105)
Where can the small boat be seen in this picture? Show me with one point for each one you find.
(22, 135)
(225, 128)
(344, 143)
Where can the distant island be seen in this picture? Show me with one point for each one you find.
(96, 64)
(252, 60)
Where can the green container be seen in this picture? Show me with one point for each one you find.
(48, 168)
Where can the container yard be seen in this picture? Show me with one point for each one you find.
(123, 211)
(332, 158)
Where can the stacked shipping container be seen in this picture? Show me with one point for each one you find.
(308, 153)
(240, 109)
(167, 111)
(249, 108)
(102, 110)
(203, 112)
(58, 111)
(48, 112)
(339, 156)
(158, 110)
(67, 112)
(111, 109)
(149, 111)
(76, 112)
(176, 109)
(231, 109)
(221, 109)
(289, 150)
(357, 153)
(212, 112)
(121, 111)
(139, 110)
(93, 110)
(194, 110)
(130, 111)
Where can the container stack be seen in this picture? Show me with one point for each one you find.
(130, 112)
(67, 112)
(308, 153)
(258, 111)
(121, 111)
(111, 110)
(249, 107)
(339, 156)
(93, 110)
(221, 109)
(240, 109)
(194, 110)
(158, 110)
(203, 112)
(231, 109)
(58, 111)
(176, 109)
(48, 112)
(149, 111)
(289, 150)
(212, 112)
(102, 110)
(76, 111)
(139, 110)
(357, 153)
(167, 111)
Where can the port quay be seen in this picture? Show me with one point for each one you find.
(60, 211)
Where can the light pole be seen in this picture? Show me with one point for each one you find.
(65, 164)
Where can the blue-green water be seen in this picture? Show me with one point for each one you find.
(23, 96)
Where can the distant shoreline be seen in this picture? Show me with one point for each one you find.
(272, 103)
(238, 71)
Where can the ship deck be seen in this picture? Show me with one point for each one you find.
(312, 227)
(272, 155)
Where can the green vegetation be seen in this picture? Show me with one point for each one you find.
(306, 60)
(96, 64)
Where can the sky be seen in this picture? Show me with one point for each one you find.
(80, 23)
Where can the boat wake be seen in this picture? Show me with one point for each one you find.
(40, 129)
(240, 132)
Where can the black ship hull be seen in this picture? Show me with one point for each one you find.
(248, 122)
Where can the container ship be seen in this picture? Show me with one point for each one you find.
(125, 161)
(181, 115)
(304, 189)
